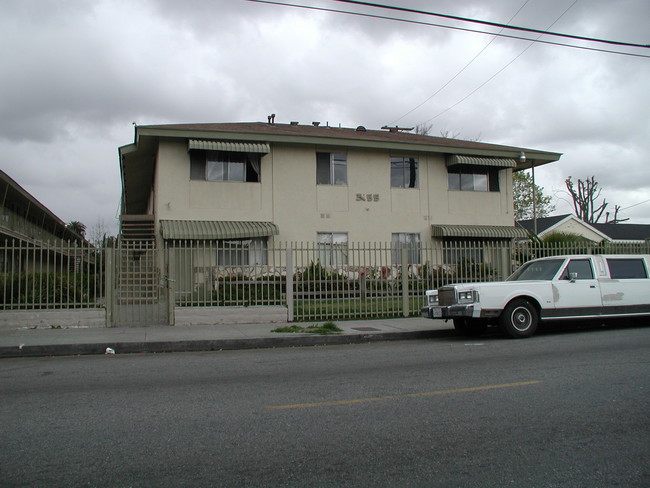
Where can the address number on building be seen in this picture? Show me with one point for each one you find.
(367, 197)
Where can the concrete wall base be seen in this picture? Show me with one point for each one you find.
(91, 318)
(22, 319)
(230, 315)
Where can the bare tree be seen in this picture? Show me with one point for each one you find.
(99, 233)
(448, 135)
(423, 129)
(585, 195)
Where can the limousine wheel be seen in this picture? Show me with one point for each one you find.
(470, 327)
(519, 319)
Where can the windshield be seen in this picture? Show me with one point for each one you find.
(537, 270)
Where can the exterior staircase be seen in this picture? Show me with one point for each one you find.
(138, 276)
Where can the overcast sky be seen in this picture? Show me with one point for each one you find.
(76, 74)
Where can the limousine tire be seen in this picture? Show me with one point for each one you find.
(470, 327)
(519, 319)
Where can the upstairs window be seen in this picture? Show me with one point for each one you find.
(331, 169)
(404, 172)
(463, 177)
(224, 166)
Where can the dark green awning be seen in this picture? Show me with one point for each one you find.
(478, 231)
(498, 162)
(249, 147)
(216, 229)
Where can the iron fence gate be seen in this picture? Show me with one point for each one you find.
(140, 293)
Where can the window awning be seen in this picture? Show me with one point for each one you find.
(498, 162)
(250, 147)
(216, 229)
(480, 231)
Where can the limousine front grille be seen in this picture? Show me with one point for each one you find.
(447, 296)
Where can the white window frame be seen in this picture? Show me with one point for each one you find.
(332, 248)
(242, 252)
(408, 240)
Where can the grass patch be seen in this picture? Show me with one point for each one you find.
(326, 328)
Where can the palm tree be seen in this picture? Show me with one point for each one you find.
(77, 227)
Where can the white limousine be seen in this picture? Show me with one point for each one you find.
(553, 288)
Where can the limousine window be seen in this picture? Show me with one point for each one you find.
(621, 269)
(537, 270)
(581, 267)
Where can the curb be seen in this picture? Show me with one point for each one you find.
(213, 345)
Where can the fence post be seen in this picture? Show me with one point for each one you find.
(506, 262)
(405, 281)
(170, 279)
(289, 284)
(109, 285)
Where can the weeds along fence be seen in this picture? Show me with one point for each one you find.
(55, 275)
(314, 281)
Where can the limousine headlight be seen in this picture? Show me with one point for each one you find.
(432, 300)
(468, 296)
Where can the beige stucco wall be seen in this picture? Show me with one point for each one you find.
(367, 208)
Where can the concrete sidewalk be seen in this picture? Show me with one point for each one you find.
(26, 342)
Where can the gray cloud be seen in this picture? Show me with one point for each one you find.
(85, 70)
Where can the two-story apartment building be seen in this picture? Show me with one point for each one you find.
(24, 219)
(253, 184)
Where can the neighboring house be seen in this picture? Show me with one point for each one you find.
(247, 185)
(570, 224)
(27, 220)
(27, 223)
(625, 233)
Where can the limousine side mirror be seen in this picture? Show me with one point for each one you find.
(573, 277)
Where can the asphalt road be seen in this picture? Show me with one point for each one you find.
(557, 410)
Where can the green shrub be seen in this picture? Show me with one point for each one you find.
(48, 290)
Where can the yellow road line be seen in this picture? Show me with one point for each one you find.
(396, 397)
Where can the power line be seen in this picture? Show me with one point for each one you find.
(636, 204)
(461, 70)
(493, 24)
(501, 70)
(463, 29)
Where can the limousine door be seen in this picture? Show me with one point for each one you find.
(627, 291)
(577, 292)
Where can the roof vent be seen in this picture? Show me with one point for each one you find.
(397, 128)
(315, 124)
(271, 119)
(361, 128)
(294, 122)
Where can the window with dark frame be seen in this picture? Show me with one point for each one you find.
(224, 166)
(626, 269)
(404, 172)
(331, 168)
(457, 251)
(581, 267)
(463, 177)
